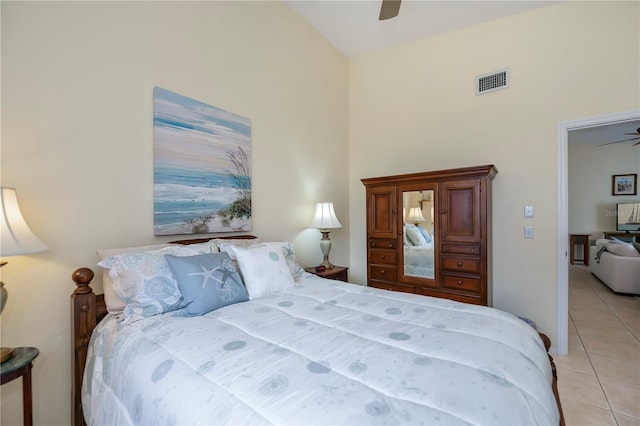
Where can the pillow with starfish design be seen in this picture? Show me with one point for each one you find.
(207, 281)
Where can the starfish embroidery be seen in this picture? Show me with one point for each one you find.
(207, 274)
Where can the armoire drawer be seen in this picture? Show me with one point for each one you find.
(405, 288)
(461, 249)
(381, 256)
(383, 273)
(461, 264)
(453, 282)
(383, 244)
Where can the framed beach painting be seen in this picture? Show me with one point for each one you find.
(202, 167)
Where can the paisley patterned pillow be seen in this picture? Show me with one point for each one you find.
(207, 281)
(145, 283)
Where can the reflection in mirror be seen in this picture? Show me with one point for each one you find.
(418, 233)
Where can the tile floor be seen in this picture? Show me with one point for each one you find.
(599, 381)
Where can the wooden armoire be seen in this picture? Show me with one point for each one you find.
(455, 207)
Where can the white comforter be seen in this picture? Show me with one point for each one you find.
(323, 353)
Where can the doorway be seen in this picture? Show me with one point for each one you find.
(564, 128)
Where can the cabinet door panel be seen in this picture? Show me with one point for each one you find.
(382, 212)
(460, 211)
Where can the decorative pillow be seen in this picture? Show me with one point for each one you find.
(405, 240)
(145, 283)
(289, 252)
(415, 236)
(227, 245)
(264, 269)
(425, 234)
(623, 249)
(207, 281)
(115, 305)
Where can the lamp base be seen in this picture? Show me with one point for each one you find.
(5, 354)
(325, 246)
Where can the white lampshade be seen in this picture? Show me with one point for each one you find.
(414, 215)
(16, 237)
(325, 217)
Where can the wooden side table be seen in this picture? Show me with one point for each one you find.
(340, 273)
(579, 239)
(20, 365)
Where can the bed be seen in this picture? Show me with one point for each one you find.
(313, 352)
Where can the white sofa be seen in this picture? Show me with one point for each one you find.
(620, 272)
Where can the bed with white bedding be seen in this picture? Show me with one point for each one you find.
(317, 352)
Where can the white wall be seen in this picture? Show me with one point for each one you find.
(413, 108)
(77, 142)
(591, 205)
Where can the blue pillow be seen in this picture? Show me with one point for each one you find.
(424, 233)
(207, 281)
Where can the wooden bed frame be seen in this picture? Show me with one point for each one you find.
(87, 309)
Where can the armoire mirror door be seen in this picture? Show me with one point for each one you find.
(418, 263)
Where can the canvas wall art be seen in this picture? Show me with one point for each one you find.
(202, 167)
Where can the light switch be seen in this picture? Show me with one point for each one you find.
(528, 211)
(528, 232)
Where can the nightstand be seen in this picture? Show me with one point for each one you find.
(339, 273)
(20, 365)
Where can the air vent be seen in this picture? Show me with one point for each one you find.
(491, 82)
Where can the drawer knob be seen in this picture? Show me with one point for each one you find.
(373, 244)
(447, 249)
(459, 263)
(382, 271)
(443, 211)
(390, 245)
(382, 256)
(459, 282)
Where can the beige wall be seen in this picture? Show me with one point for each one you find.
(413, 108)
(591, 205)
(77, 142)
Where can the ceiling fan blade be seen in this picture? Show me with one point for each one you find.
(637, 143)
(389, 9)
(633, 134)
(624, 140)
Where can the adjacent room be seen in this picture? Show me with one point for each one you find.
(90, 90)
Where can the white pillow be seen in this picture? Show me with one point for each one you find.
(264, 269)
(145, 283)
(415, 236)
(226, 246)
(623, 249)
(289, 253)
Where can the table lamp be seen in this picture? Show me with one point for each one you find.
(325, 219)
(415, 216)
(15, 238)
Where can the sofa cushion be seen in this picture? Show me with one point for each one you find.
(623, 249)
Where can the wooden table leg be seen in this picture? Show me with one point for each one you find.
(27, 412)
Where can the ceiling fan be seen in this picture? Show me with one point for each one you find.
(636, 134)
(389, 9)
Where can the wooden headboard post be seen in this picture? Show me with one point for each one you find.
(84, 318)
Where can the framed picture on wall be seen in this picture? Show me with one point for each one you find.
(624, 184)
